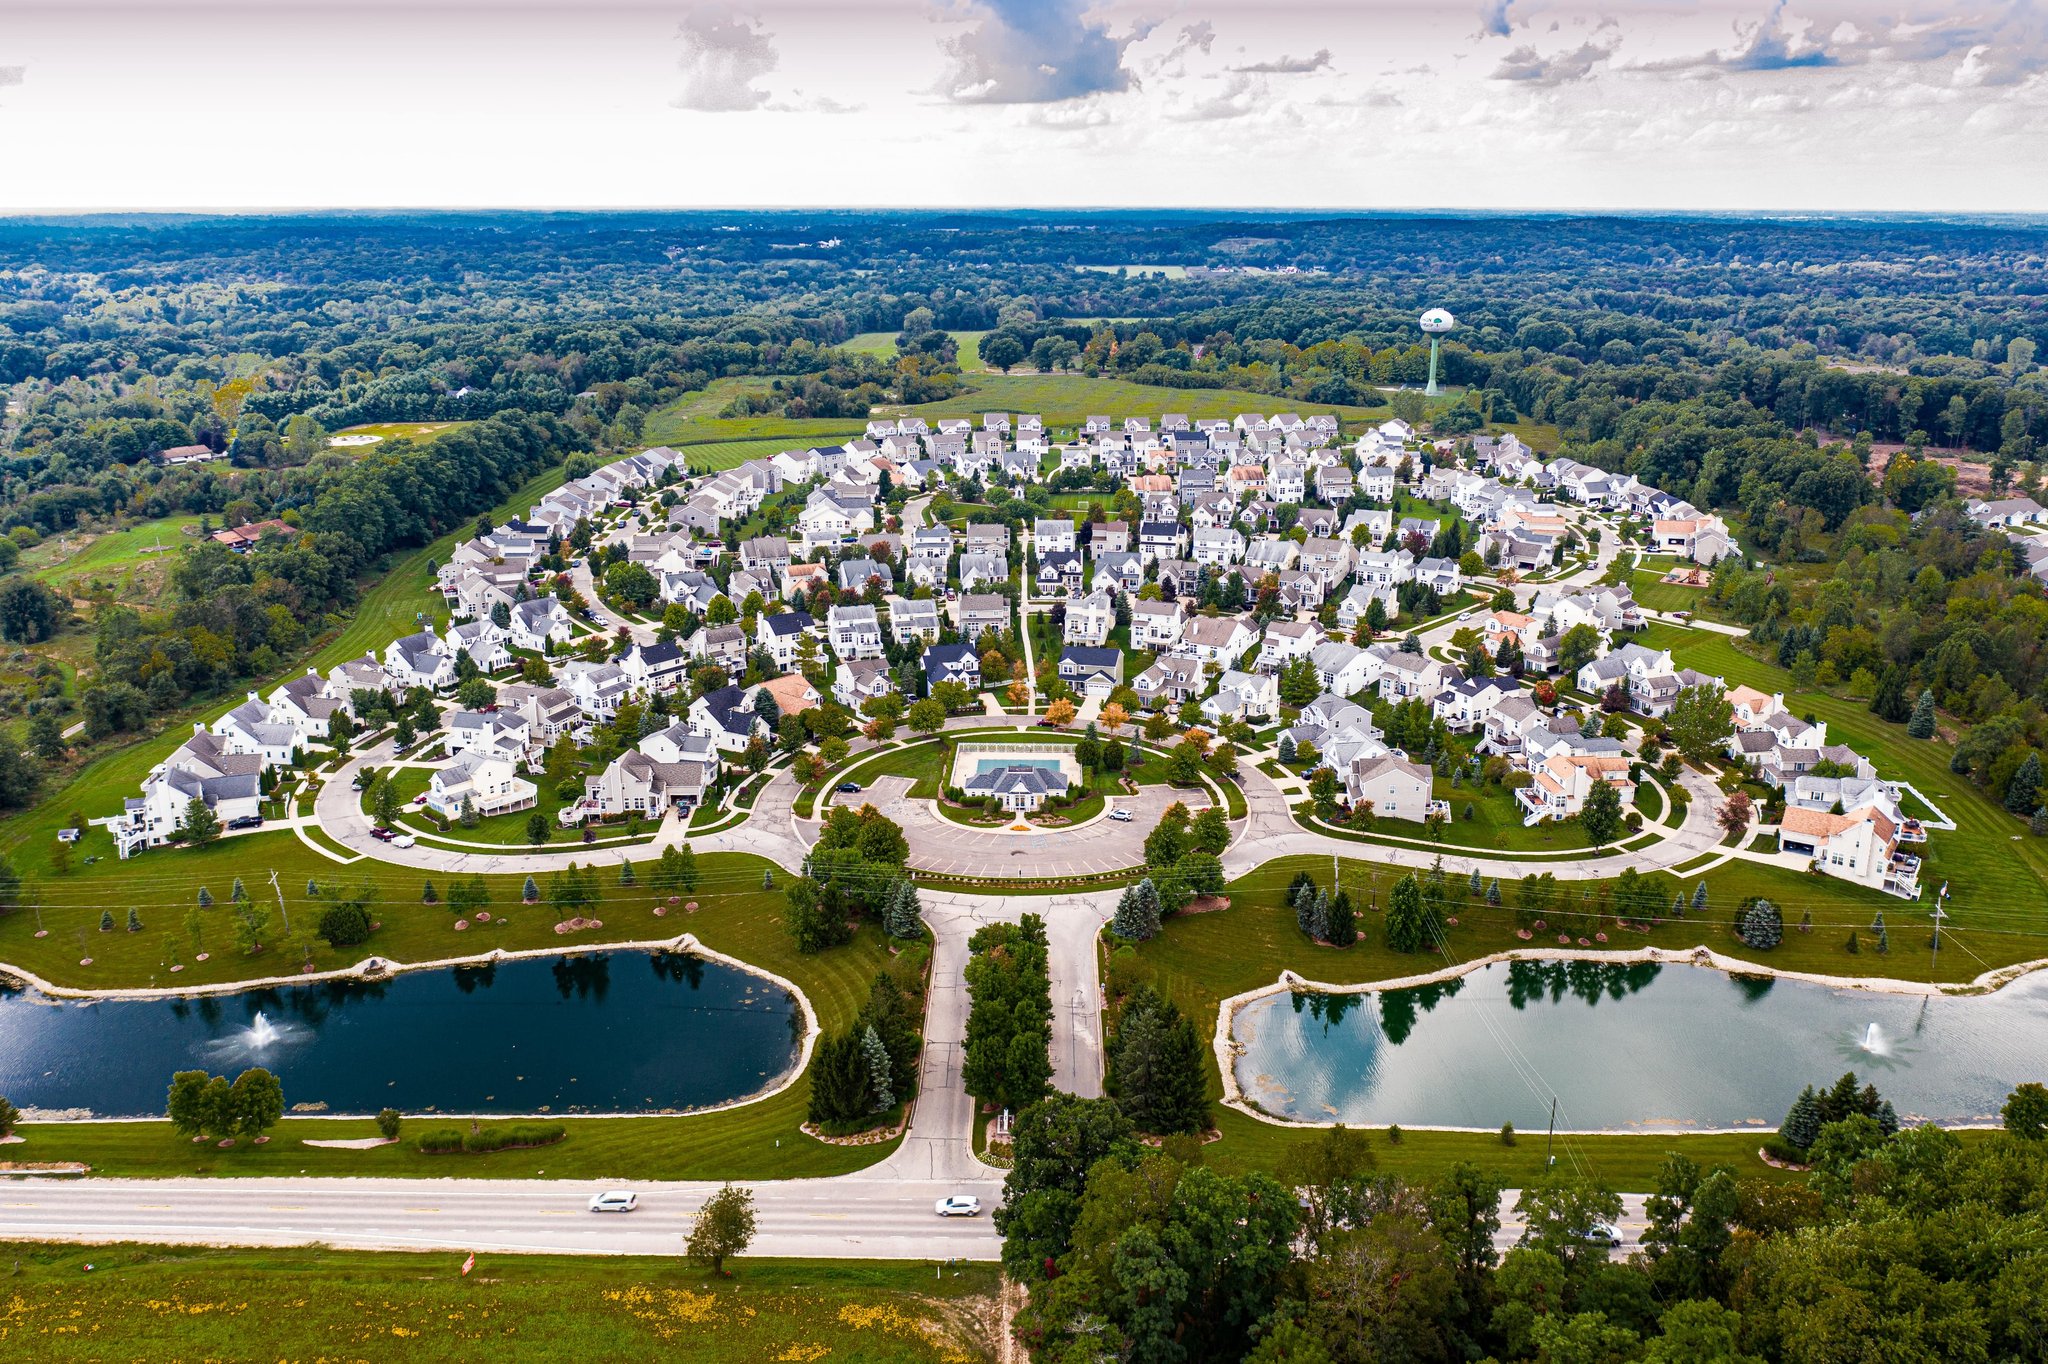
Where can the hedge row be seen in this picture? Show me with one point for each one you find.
(517, 1137)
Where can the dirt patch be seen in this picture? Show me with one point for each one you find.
(1206, 904)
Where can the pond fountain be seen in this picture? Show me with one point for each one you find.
(1628, 1046)
(601, 1032)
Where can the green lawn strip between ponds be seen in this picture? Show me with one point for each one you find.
(165, 1302)
(736, 917)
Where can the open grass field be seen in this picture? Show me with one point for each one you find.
(1136, 271)
(883, 346)
(419, 432)
(130, 562)
(159, 1302)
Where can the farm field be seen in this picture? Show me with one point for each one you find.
(169, 1302)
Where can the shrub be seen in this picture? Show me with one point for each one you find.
(344, 925)
(516, 1136)
(1394, 1135)
(1507, 1134)
(439, 1140)
(387, 1124)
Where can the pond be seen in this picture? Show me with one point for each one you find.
(599, 1033)
(1630, 1046)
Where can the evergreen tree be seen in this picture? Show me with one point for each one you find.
(1287, 749)
(428, 895)
(239, 893)
(1134, 921)
(1802, 1124)
(1921, 725)
(1157, 1068)
(839, 1079)
(1678, 905)
(205, 898)
(1319, 917)
(312, 889)
(106, 921)
(2023, 792)
(627, 876)
(1472, 887)
(1759, 924)
(901, 917)
(529, 892)
(768, 878)
(1493, 892)
(1877, 930)
(1343, 925)
(134, 920)
(1699, 898)
(1408, 919)
(875, 1057)
(1887, 1118)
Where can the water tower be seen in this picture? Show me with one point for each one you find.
(1436, 322)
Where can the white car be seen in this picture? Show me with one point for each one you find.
(1120, 814)
(403, 841)
(1603, 1234)
(616, 1200)
(959, 1205)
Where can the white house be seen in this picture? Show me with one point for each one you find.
(539, 622)
(854, 632)
(484, 780)
(1090, 620)
(1394, 787)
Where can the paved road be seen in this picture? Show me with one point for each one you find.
(1634, 1222)
(605, 618)
(864, 1217)
(1269, 831)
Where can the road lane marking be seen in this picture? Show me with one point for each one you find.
(152, 1207)
(284, 1207)
(423, 1210)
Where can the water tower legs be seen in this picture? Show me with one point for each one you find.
(1431, 390)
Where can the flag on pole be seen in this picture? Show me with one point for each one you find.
(1944, 890)
(469, 1264)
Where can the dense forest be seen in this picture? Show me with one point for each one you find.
(1911, 1245)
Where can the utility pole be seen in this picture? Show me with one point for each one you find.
(1549, 1159)
(280, 902)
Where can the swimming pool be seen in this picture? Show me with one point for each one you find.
(984, 766)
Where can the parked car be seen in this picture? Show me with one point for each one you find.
(383, 834)
(245, 822)
(959, 1205)
(850, 788)
(1121, 815)
(403, 841)
(616, 1200)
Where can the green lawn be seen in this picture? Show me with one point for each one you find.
(1065, 401)
(157, 1302)
(77, 562)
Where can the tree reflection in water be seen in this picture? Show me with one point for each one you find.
(687, 967)
(1531, 982)
(583, 977)
(470, 979)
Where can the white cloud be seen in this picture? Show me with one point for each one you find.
(1034, 52)
(723, 55)
(1289, 66)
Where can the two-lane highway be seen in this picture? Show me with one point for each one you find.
(846, 1218)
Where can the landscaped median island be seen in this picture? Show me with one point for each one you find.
(166, 1302)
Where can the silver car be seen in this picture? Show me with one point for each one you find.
(615, 1200)
(959, 1205)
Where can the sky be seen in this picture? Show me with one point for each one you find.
(1302, 104)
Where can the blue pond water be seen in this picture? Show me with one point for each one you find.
(608, 1032)
(1630, 1046)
